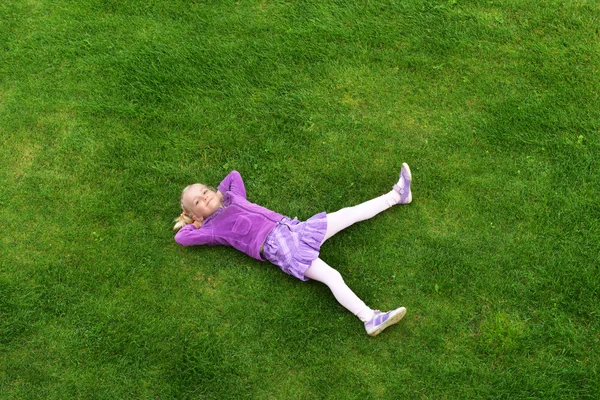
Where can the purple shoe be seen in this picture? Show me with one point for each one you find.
(403, 185)
(380, 320)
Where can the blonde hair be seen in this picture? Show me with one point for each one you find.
(185, 218)
(182, 220)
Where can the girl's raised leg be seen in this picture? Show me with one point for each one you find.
(345, 217)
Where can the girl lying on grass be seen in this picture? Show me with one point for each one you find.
(226, 217)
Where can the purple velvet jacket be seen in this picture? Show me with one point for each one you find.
(241, 224)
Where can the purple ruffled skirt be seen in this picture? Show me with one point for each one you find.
(293, 245)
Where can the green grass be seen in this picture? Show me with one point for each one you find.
(108, 109)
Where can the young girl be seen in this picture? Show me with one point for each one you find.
(226, 217)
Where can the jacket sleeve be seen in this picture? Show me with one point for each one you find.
(233, 183)
(189, 235)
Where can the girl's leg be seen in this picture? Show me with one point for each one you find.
(375, 321)
(345, 217)
(322, 272)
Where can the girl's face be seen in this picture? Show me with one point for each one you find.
(200, 202)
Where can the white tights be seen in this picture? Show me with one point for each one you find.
(337, 221)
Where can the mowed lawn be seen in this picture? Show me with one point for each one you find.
(108, 109)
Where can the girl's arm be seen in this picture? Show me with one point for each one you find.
(190, 235)
(233, 183)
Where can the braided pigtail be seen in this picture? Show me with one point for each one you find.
(182, 220)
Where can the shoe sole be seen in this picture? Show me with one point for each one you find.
(394, 318)
(408, 177)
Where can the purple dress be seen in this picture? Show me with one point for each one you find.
(293, 245)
